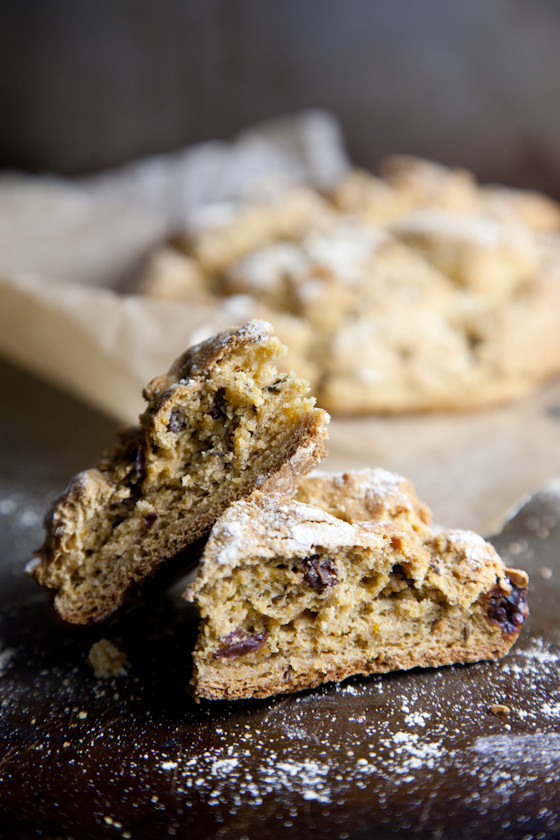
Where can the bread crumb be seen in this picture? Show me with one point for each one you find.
(107, 660)
(499, 709)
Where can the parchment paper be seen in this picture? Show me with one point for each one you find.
(67, 247)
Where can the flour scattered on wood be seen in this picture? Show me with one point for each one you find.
(107, 660)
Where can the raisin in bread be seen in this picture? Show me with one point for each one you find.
(291, 597)
(219, 424)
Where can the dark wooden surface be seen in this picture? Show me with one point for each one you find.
(85, 85)
(415, 755)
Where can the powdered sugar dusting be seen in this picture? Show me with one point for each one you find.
(253, 331)
(403, 754)
(384, 484)
(264, 269)
(536, 653)
(168, 765)
(521, 749)
(395, 739)
(466, 540)
(270, 527)
(414, 754)
(341, 251)
(417, 718)
(417, 752)
(390, 740)
(273, 775)
(379, 481)
(385, 742)
(472, 546)
(373, 485)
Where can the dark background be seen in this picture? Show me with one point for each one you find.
(89, 84)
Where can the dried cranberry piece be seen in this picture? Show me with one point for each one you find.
(240, 642)
(320, 572)
(149, 519)
(219, 407)
(176, 422)
(508, 611)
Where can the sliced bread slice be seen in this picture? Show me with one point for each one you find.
(219, 424)
(291, 597)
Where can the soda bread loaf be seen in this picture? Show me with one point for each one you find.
(219, 424)
(291, 596)
(416, 289)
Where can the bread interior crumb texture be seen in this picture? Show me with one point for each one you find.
(204, 441)
(384, 604)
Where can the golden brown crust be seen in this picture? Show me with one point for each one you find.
(291, 682)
